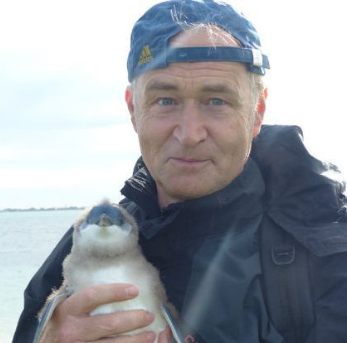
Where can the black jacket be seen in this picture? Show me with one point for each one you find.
(207, 250)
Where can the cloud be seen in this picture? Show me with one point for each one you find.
(68, 147)
(67, 167)
(63, 76)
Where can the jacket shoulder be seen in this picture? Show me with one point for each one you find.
(304, 196)
(47, 278)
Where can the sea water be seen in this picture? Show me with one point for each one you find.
(26, 239)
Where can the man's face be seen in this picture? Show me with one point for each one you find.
(195, 123)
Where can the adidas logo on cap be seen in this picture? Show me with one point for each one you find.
(146, 56)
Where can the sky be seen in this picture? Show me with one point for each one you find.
(65, 133)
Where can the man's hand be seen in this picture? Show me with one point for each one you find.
(71, 322)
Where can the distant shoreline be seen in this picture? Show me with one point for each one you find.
(34, 209)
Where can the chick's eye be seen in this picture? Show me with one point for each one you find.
(216, 102)
(166, 101)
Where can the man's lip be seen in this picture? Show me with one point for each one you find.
(188, 160)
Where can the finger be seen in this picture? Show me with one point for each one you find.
(143, 337)
(165, 336)
(104, 325)
(86, 300)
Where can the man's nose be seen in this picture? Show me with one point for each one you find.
(191, 127)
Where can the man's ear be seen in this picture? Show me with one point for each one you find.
(259, 113)
(130, 104)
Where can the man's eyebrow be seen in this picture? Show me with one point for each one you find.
(222, 89)
(207, 88)
(218, 88)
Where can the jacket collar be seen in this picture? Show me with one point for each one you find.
(243, 194)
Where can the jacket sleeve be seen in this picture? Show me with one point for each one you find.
(49, 276)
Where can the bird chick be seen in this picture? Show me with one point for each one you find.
(105, 250)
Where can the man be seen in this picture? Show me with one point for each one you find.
(197, 103)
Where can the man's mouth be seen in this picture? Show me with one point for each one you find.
(189, 162)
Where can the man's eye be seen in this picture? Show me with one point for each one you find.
(166, 101)
(216, 102)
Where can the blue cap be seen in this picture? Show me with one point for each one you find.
(151, 36)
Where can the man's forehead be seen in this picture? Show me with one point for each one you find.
(178, 78)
